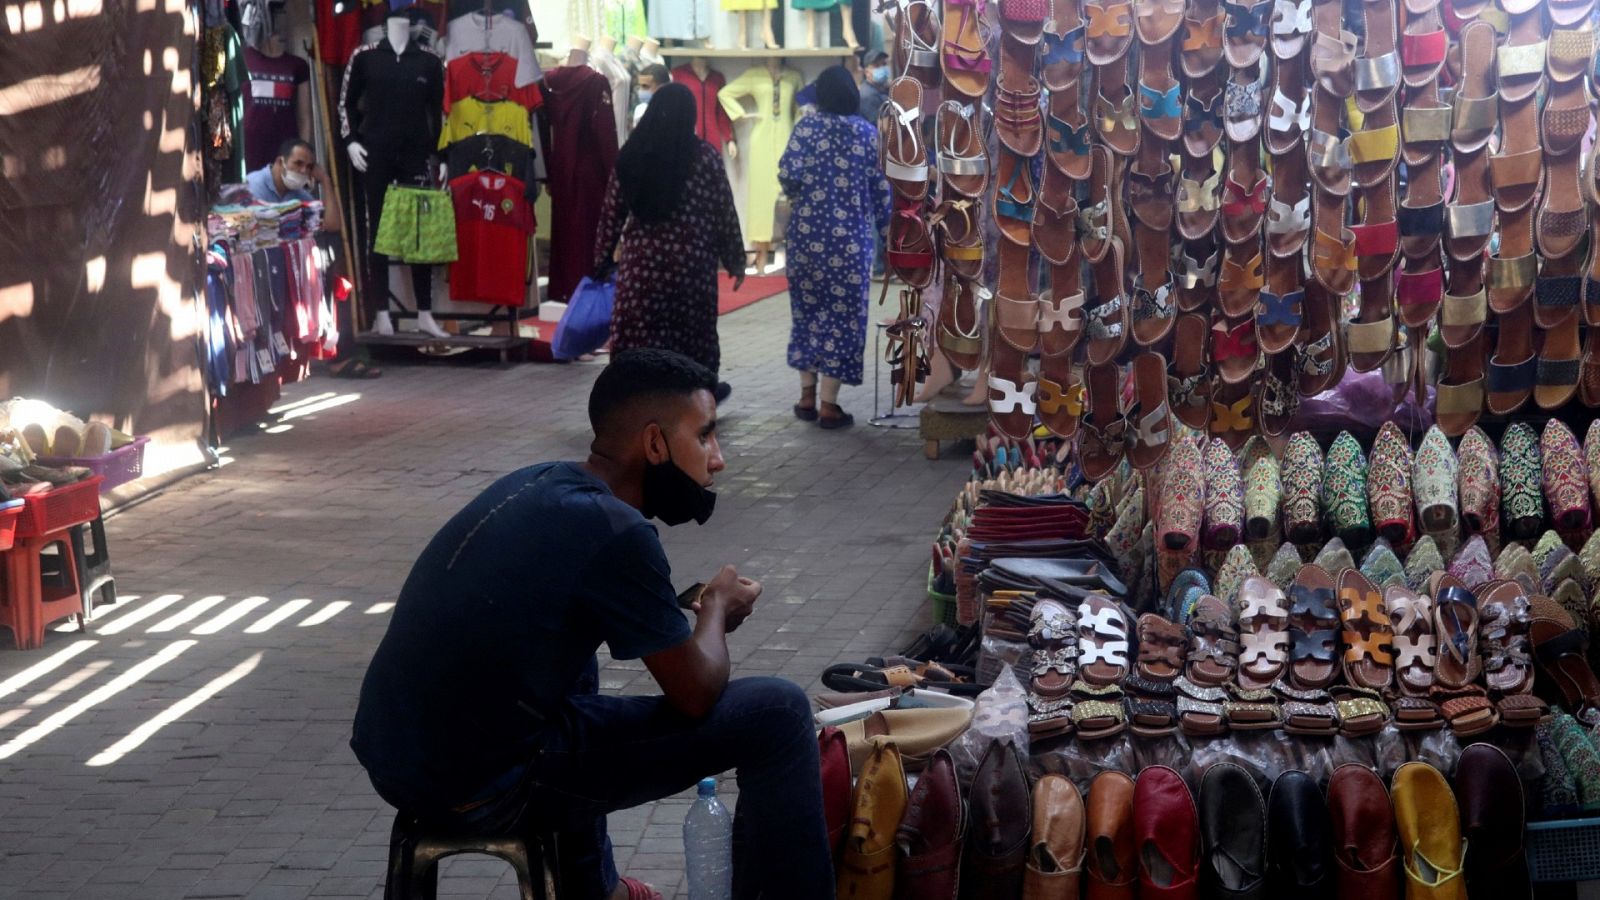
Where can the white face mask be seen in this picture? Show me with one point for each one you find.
(294, 181)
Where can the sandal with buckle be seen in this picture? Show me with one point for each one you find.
(1508, 661)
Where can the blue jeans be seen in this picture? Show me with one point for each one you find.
(613, 753)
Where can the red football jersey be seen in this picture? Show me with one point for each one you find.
(490, 77)
(493, 223)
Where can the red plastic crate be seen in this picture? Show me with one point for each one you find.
(10, 515)
(60, 508)
(118, 467)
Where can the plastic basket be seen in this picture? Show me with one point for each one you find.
(944, 605)
(118, 467)
(63, 507)
(1567, 850)
(10, 515)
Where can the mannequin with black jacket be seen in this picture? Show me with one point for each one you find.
(390, 116)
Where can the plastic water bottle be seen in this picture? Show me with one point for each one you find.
(708, 846)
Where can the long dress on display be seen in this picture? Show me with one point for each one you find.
(748, 5)
(680, 20)
(711, 123)
(667, 278)
(838, 196)
(582, 153)
(774, 119)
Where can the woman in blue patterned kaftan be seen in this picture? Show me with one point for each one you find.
(839, 199)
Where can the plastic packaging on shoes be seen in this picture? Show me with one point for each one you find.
(1001, 715)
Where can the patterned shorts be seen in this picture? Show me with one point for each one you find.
(418, 225)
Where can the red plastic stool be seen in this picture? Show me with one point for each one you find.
(31, 601)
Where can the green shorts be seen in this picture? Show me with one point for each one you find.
(418, 225)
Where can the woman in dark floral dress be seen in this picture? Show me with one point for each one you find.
(670, 205)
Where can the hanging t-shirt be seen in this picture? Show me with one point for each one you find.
(470, 116)
(491, 152)
(477, 33)
(489, 77)
(338, 30)
(375, 12)
(269, 103)
(517, 9)
(493, 224)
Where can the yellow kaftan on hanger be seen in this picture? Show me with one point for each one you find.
(774, 119)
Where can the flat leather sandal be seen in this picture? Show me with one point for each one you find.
(963, 49)
(1101, 431)
(1109, 30)
(1513, 370)
(900, 121)
(1203, 104)
(1116, 107)
(1189, 386)
(1061, 61)
(1508, 660)
(963, 160)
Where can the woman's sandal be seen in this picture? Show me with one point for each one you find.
(1508, 661)
(832, 417)
(1368, 636)
(1411, 614)
(1263, 627)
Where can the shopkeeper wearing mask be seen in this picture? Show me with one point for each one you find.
(650, 80)
(294, 169)
(291, 172)
(874, 85)
(480, 711)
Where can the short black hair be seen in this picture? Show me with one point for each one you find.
(658, 72)
(289, 145)
(880, 57)
(648, 374)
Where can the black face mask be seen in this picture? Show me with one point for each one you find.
(672, 496)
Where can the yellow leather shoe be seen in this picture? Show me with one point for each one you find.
(866, 868)
(1431, 846)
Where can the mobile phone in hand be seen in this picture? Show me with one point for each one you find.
(690, 594)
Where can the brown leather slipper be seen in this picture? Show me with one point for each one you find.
(1107, 321)
(1189, 388)
(1101, 432)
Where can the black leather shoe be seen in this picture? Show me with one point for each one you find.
(1233, 831)
(1300, 842)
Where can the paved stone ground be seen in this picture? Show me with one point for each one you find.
(195, 743)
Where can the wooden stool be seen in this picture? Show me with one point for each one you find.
(415, 851)
(33, 600)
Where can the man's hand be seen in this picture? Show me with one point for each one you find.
(731, 596)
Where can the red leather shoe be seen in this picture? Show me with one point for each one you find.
(1364, 835)
(835, 785)
(930, 834)
(1166, 829)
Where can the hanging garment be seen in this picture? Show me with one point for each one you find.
(477, 33)
(774, 119)
(270, 104)
(338, 30)
(607, 64)
(680, 20)
(470, 116)
(517, 9)
(711, 122)
(491, 152)
(490, 77)
(748, 5)
(839, 198)
(493, 223)
(667, 278)
(390, 102)
(430, 30)
(579, 160)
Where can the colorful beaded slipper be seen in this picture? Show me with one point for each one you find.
(1566, 477)
(1302, 488)
(1521, 473)
(1224, 493)
(1182, 497)
(1423, 560)
(1434, 477)
(1381, 566)
(1263, 489)
(1284, 564)
(1334, 557)
(1236, 567)
(1389, 485)
(1344, 491)
(1479, 481)
(1472, 564)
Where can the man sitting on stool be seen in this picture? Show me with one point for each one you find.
(479, 712)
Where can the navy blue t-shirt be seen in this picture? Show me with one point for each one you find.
(496, 625)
